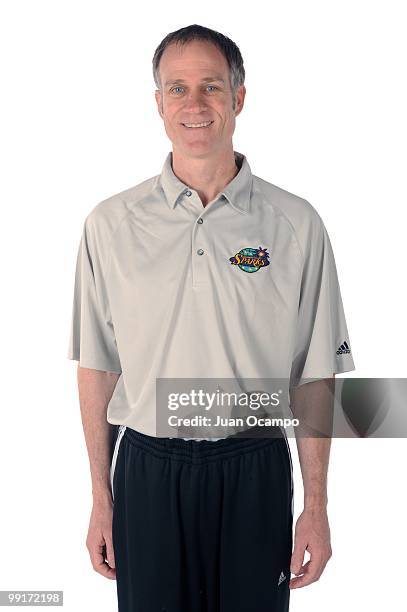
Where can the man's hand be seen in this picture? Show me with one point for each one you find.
(99, 540)
(312, 534)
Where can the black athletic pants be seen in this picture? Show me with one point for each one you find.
(201, 526)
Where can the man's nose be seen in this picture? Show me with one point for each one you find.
(195, 102)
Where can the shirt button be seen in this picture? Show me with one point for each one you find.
(200, 220)
(200, 251)
(188, 193)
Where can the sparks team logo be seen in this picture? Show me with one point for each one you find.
(250, 260)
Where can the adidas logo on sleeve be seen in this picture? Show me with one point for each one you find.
(344, 348)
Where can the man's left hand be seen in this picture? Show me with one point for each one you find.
(312, 534)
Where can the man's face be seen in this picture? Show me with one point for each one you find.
(195, 88)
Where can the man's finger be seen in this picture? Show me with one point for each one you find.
(297, 558)
(99, 564)
(110, 551)
(312, 571)
(304, 567)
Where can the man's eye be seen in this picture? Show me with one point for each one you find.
(178, 87)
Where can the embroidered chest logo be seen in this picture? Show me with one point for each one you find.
(250, 260)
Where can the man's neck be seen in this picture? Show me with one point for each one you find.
(206, 176)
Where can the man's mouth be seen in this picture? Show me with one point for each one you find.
(191, 126)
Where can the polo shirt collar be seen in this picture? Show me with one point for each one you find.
(237, 192)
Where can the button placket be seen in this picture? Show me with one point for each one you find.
(199, 251)
(199, 246)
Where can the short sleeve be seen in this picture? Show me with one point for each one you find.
(322, 345)
(92, 340)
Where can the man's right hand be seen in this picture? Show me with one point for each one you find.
(99, 540)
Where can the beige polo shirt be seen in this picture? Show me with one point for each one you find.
(245, 287)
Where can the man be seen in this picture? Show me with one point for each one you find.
(203, 271)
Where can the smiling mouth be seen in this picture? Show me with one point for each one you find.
(197, 126)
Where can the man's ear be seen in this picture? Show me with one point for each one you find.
(240, 96)
(158, 99)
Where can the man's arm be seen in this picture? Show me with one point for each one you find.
(313, 404)
(95, 391)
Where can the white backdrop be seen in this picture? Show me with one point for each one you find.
(324, 118)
